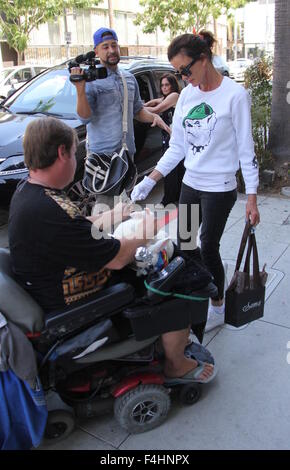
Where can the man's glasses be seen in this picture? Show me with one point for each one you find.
(185, 71)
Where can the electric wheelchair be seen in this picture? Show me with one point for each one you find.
(105, 354)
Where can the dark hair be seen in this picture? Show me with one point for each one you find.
(208, 37)
(189, 44)
(41, 140)
(173, 82)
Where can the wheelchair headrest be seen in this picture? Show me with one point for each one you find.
(15, 303)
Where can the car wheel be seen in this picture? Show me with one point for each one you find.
(226, 73)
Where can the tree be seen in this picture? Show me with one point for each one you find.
(19, 17)
(180, 16)
(258, 82)
(280, 113)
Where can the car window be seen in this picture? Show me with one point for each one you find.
(145, 87)
(159, 73)
(17, 76)
(25, 74)
(52, 92)
(39, 69)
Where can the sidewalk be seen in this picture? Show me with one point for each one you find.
(247, 406)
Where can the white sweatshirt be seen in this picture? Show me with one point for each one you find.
(213, 131)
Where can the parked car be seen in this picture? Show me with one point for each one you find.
(52, 94)
(238, 68)
(220, 65)
(12, 78)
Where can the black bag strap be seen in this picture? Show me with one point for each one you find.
(245, 237)
(256, 268)
(252, 247)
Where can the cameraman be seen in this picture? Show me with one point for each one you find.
(100, 102)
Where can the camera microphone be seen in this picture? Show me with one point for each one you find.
(80, 58)
(89, 56)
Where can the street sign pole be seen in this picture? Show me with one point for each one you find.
(67, 35)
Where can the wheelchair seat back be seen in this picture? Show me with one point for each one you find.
(15, 303)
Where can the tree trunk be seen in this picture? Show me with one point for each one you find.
(111, 13)
(279, 139)
(216, 44)
(20, 58)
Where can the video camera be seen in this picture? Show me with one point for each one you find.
(93, 70)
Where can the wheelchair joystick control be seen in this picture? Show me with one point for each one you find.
(165, 279)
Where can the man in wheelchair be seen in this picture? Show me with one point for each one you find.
(54, 256)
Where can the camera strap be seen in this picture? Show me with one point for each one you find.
(125, 111)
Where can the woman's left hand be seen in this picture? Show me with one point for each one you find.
(252, 212)
(157, 121)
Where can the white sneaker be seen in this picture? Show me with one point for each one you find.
(216, 319)
(213, 320)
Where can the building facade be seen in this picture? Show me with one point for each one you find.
(259, 33)
(72, 33)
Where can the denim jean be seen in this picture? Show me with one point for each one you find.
(214, 209)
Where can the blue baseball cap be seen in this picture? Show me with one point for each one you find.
(104, 34)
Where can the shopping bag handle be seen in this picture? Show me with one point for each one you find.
(256, 269)
(252, 247)
(244, 240)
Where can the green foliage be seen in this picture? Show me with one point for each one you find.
(258, 81)
(180, 16)
(20, 17)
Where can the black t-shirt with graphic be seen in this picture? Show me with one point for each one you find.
(54, 256)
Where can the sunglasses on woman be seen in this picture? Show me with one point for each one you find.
(185, 71)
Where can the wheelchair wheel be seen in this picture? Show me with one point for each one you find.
(60, 424)
(143, 408)
(190, 393)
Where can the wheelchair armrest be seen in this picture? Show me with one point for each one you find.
(104, 304)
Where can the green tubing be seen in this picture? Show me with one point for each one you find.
(169, 294)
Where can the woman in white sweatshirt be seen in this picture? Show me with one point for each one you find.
(212, 130)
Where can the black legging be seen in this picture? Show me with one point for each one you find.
(172, 184)
(214, 209)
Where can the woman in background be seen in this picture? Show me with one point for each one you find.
(165, 106)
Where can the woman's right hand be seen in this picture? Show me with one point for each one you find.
(142, 189)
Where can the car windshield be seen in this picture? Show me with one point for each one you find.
(51, 93)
